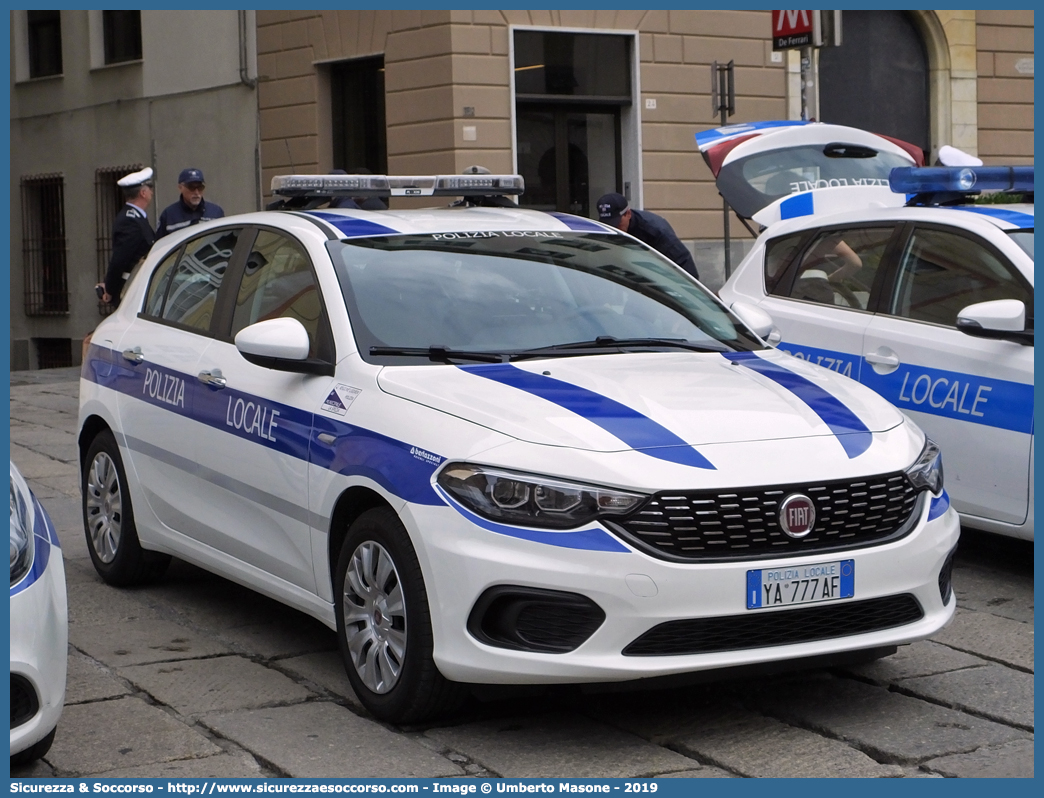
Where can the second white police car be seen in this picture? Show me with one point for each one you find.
(895, 276)
(490, 445)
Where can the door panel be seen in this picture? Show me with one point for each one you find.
(972, 396)
(157, 388)
(254, 467)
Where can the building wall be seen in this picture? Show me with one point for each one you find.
(158, 111)
(439, 62)
(1004, 41)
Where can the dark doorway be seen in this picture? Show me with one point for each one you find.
(590, 139)
(877, 79)
(357, 115)
(570, 90)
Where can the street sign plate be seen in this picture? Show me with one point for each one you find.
(792, 29)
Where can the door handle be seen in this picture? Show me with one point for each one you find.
(881, 360)
(133, 355)
(213, 378)
(327, 438)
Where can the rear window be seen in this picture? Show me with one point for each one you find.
(760, 179)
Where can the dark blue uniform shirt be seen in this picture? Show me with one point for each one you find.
(180, 215)
(657, 232)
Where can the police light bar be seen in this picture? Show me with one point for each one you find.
(960, 179)
(396, 186)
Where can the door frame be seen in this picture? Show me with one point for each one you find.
(630, 116)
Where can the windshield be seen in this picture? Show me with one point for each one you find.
(1024, 238)
(750, 184)
(512, 292)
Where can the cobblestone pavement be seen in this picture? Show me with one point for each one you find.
(199, 677)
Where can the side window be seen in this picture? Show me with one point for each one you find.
(277, 283)
(197, 278)
(158, 285)
(942, 273)
(778, 254)
(839, 267)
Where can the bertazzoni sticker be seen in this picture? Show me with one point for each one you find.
(340, 399)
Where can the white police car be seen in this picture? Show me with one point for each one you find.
(39, 626)
(914, 292)
(490, 445)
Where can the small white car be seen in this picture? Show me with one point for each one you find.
(493, 445)
(917, 293)
(39, 626)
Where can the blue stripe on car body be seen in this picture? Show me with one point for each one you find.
(939, 505)
(578, 223)
(590, 539)
(357, 451)
(937, 392)
(707, 137)
(636, 430)
(352, 227)
(802, 204)
(1000, 213)
(43, 532)
(855, 437)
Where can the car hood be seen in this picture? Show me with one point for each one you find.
(666, 404)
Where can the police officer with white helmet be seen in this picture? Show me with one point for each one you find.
(132, 234)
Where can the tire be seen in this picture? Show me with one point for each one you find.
(108, 519)
(384, 624)
(35, 751)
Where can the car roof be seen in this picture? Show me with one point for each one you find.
(357, 223)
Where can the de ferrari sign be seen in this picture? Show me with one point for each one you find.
(792, 29)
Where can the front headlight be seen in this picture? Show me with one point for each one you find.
(532, 500)
(21, 527)
(927, 470)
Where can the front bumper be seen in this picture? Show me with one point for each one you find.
(39, 644)
(462, 559)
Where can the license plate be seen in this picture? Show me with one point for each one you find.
(800, 584)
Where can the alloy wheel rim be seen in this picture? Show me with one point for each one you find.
(375, 617)
(104, 507)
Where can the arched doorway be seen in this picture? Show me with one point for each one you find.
(878, 78)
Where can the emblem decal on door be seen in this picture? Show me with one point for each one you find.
(340, 399)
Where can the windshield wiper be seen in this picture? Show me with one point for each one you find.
(438, 354)
(611, 342)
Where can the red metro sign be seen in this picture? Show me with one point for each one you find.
(792, 29)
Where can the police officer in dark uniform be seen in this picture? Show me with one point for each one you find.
(647, 227)
(132, 235)
(190, 208)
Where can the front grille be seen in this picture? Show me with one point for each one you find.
(24, 703)
(743, 524)
(760, 629)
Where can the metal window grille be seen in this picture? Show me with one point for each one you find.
(108, 201)
(43, 245)
(53, 353)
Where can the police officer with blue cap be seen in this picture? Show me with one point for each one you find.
(190, 208)
(647, 227)
(132, 235)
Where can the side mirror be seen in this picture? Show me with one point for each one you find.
(1000, 319)
(758, 320)
(280, 344)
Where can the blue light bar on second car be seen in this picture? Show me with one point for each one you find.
(396, 186)
(961, 179)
